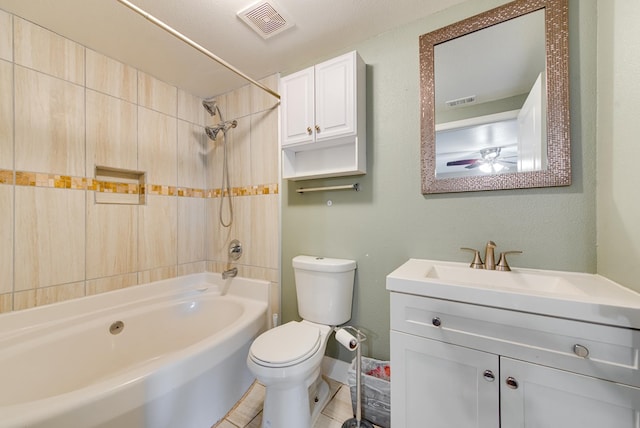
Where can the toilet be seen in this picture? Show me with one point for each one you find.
(287, 359)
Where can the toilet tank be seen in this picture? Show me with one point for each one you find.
(324, 288)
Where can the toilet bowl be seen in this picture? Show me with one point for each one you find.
(287, 359)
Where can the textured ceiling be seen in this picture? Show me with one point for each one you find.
(321, 29)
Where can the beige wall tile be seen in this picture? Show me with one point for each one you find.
(214, 152)
(49, 237)
(191, 225)
(157, 95)
(157, 146)
(238, 103)
(6, 303)
(112, 237)
(264, 147)
(189, 268)
(6, 115)
(111, 77)
(239, 153)
(112, 283)
(262, 100)
(48, 295)
(218, 237)
(112, 128)
(49, 126)
(191, 155)
(45, 51)
(264, 231)
(6, 238)
(190, 108)
(157, 274)
(6, 36)
(157, 234)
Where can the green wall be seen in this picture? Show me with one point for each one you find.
(618, 148)
(390, 221)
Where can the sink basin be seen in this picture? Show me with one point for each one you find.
(516, 279)
(587, 297)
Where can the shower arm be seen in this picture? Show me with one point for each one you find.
(196, 46)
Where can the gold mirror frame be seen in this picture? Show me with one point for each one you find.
(558, 171)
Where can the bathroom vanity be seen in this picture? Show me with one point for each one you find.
(526, 348)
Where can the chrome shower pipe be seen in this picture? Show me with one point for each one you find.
(196, 46)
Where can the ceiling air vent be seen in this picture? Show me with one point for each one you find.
(461, 101)
(265, 18)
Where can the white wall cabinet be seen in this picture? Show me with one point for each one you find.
(323, 119)
(463, 365)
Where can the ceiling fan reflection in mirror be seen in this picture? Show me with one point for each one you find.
(490, 161)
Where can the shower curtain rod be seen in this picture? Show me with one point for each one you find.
(195, 45)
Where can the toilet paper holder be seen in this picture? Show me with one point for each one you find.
(352, 343)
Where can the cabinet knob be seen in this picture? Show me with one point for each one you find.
(581, 351)
(309, 130)
(512, 382)
(489, 376)
(317, 128)
(436, 322)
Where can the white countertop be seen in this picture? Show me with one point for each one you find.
(579, 296)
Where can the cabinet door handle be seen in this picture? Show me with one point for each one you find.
(489, 376)
(436, 322)
(309, 130)
(317, 128)
(581, 351)
(512, 382)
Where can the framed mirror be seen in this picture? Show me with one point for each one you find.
(494, 95)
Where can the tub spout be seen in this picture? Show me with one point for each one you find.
(230, 273)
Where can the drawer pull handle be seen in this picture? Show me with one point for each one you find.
(309, 130)
(436, 322)
(512, 382)
(580, 351)
(489, 376)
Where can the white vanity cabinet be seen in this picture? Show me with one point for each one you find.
(465, 365)
(323, 119)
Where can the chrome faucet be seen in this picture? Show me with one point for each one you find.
(230, 273)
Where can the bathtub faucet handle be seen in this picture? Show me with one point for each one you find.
(235, 250)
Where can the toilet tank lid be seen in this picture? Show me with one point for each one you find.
(323, 264)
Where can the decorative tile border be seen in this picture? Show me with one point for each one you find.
(35, 179)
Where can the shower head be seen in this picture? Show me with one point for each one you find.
(212, 131)
(210, 106)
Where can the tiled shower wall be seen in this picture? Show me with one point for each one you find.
(65, 109)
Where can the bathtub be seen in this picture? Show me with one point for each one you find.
(169, 354)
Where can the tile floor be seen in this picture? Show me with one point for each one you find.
(248, 412)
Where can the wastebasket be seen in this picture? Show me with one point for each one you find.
(376, 390)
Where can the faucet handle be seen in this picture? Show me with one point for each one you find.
(502, 262)
(477, 261)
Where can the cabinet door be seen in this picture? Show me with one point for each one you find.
(542, 397)
(297, 107)
(336, 97)
(438, 385)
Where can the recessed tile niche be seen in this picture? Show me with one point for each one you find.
(119, 186)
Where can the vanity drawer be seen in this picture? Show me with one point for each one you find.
(602, 351)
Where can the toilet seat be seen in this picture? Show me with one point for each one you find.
(287, 345)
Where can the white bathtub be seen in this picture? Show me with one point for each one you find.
(179, 360)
